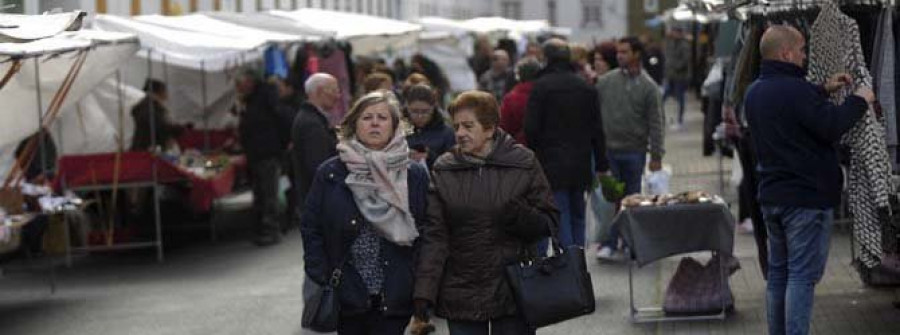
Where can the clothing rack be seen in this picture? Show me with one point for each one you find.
(765, 7)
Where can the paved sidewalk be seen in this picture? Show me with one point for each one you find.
(232, 287)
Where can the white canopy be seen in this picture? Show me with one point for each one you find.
(32, 27)
(188, 49)
(55, 57)
(272, 23)
(206, 25)
(368, 34)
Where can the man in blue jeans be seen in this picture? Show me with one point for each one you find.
(795, 129)
(633, 124)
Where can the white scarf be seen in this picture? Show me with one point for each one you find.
(378, 182)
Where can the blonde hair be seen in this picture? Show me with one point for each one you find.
(348, 125)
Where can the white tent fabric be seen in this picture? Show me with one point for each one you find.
(369, 35)
(495, 24)
(92, 126)
(453, 61)
(20, 103)
(33, 27)
(206, 25)
(272, 23)
(183, 48)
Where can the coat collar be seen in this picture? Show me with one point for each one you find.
(769, 68)
(507, 153)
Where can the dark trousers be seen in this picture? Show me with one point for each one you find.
(372, 323)
(750, 199)
(264, 176)
(503, 326)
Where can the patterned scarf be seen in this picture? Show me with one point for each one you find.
(377, 180)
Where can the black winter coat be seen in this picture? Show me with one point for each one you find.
(313, 142)
(165, 130)
(262, 130)
(564, 127)
(474, 229)
(437, 136)
(331, 223)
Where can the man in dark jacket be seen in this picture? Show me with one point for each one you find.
(312, 138)
(264, 141)
(151, 119)
(795, 129)
(564, 128)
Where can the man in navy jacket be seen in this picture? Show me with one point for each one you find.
(795, 131)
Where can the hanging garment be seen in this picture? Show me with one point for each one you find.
(334, 63)
(883, 68)
(834, 47)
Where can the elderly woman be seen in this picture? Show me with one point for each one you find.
(489, 204)
(431, 136)
(362, 217)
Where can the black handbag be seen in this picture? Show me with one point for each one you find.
(322, 312)
(552, 289)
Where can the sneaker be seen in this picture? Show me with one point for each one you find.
(605, 253)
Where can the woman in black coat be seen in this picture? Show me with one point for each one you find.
(431, 136)
(362, 217)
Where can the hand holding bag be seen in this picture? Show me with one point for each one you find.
(322, 311)
(552, 289)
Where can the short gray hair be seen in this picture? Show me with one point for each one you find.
(348, 125)
(316, 81)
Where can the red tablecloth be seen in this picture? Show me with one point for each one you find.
(98, 169)
(193, 138)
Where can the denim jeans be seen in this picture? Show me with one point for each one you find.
(676, 89)
(799, 239)
(503, 326)
(628, 167)
(571, 206)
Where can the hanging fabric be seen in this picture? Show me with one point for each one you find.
(835, 47)
(884, 67)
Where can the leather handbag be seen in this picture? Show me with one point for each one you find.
(552, 289)
(322, 311)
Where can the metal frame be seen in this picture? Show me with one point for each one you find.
(656, 314)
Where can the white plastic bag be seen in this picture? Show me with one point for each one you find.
(658, 182)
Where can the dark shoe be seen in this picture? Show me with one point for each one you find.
(267, 240)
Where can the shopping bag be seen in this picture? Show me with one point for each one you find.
(552, 289)
(658, 182)
(602, 213)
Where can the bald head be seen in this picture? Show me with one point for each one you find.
(779, 41)
(322, 90)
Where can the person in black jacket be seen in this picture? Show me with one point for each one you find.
(153, 105)
(795, 130)
(264, 141)
(313, 140)
(431, 135)
(362, 220)
(564, 128)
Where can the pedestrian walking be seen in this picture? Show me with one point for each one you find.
(489, 203)
(362, 220)
(431, 136)
(795, 130)
(563, 126)
(678, 71)
(500, 78)
(633, 124)
(512, 110)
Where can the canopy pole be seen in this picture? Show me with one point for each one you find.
(40, 111)
(205, 112)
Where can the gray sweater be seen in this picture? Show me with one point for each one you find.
(632, 113)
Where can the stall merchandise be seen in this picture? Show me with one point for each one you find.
(843, 36)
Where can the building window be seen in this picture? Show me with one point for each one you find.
(337, 5)
(551, 12)
(591, 14)
(511, 10)
(390, 9)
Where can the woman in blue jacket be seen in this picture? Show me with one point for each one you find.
(431, 136)
(362, 217)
